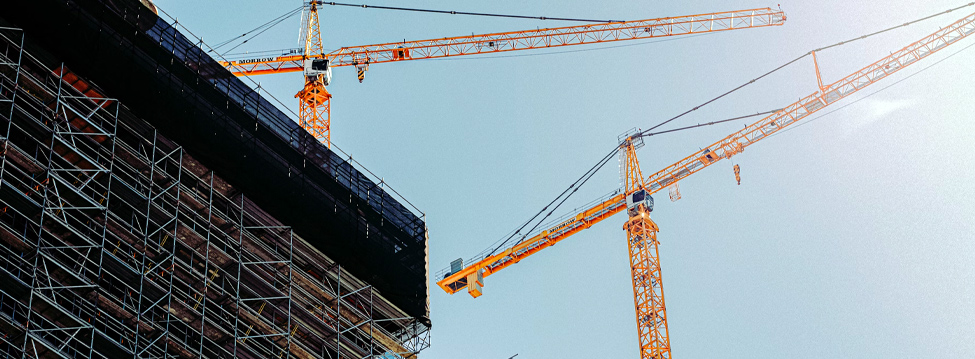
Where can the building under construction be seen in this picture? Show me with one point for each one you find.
(155, 206)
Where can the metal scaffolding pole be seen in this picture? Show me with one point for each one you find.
(76, 192)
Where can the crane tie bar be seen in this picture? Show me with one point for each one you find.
(451, 12)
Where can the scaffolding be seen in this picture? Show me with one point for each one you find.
(116, 243)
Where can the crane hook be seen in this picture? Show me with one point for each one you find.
(360, 69)
(738, 174)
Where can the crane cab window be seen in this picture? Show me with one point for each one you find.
(319, 64)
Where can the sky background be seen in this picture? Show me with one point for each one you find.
(849, 236)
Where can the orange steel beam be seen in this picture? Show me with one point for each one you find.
(725, 148)
(520, 40)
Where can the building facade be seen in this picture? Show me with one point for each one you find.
(155, 206)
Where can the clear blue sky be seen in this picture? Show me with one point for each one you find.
(851, 236)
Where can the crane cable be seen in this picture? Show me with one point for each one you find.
(263, 27)
(464, 13)
(268, 25)
(710, 123)
(568, 192)
(645, 132)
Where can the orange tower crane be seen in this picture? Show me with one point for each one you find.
(641, 231)
(314, 99)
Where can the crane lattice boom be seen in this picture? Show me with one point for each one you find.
(520, 40)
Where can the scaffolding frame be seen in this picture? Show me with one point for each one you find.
(117, 243)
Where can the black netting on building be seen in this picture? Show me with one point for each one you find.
(283, 126)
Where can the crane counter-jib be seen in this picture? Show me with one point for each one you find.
(724, 148)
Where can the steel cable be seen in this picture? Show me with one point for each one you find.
(464, 13)
(275, 21)
(642, 133)
(646, 133)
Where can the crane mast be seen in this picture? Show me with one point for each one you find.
(314, 108)
(641, 239)
(641, 230)
(315, 100)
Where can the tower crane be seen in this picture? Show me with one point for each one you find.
(315, 100)
(635, 196)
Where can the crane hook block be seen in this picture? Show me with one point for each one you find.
(360, 69)
(738, 174)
